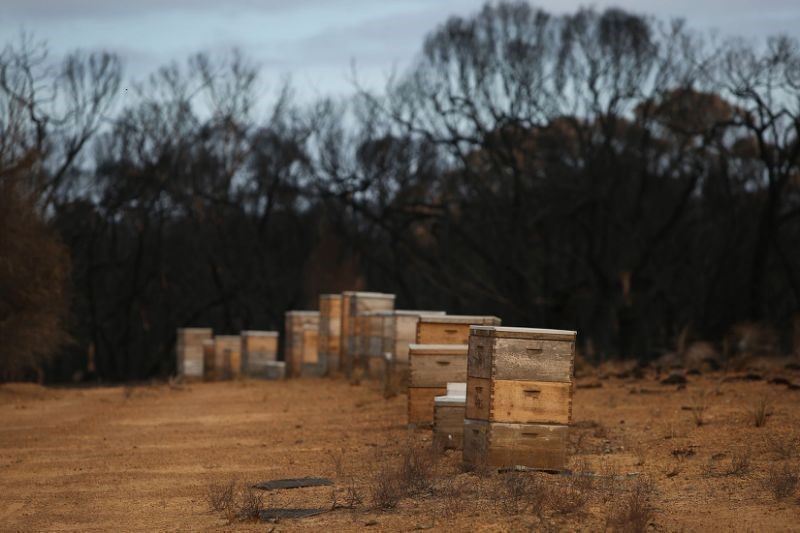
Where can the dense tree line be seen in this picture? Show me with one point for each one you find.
(602, 171)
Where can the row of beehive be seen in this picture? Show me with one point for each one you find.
(202, 355)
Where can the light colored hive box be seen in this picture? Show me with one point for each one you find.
(519, 397)
(189, 351)
(371, 342)
(448, 417)
(432, 367)
(330, 330)
(399, 330)
(359, 303)
(258, 349)
(450, 329)
(227, 356)
(297, 322)
(312, 366)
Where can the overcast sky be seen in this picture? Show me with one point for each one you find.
(315, 41)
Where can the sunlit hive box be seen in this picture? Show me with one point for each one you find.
(399, 330)
(330, 330)
(370, 338)
(357, 304)
(450, 329)
(189, 351)
(448, 417)
(258, 349)
(312, 366)
(227, 356)
(519, 397)
(297, 323)
(432, 367)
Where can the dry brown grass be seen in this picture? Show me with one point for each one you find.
(634, 512)
(740, 463)
(782, 481)
(698, 407)
(760, 411)
(250, 505)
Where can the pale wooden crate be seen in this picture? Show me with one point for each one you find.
(501, 445)
(227, 356)
(420, 405)
(258, 349)
(519, 401)
(330, 326)
(189, 351)
(450, 329)
(297, 322)
(448, 422)
(434, 365)
(521, 353)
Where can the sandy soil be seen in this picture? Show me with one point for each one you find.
(142, 458)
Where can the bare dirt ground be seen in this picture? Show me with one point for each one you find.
(143, 458)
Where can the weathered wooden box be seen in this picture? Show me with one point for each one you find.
(227, 356)
(448, 417)
(399, 330)
(297, 323)
(450, 329)
(354, 306)
(189, 351)
(330, 331)
(519, 397)
(209, 360)
(258, 349)
(312, 366)
(432, 366)
(274, 370)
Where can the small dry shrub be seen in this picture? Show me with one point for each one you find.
(740, 463)
(784, 446)
(634, 512)
(352, 494)
(452, 493)
(782, 481)
(760, 411)
(571, 495)
(221, 498)
(385, 488)
(698, 407)
(416, 470)
(251, 503)
(519, 492)
(608, 481)
(337, 459)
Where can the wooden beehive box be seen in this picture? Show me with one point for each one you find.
(311, 362)
(258, 349)
(189, 351)
(450, 329)
(432, 367)
(227, 356)
(519, 397)
(274, 370)
(448, 417)
(209, 360)
(399, 330)
(359, 303)
(297, 322)
(330, 329)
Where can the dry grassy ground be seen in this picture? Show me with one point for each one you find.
(144, 458)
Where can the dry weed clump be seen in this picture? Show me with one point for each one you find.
(784, 446)
(634, 512)
(782, 481)
(698, 407)
(518, 492)
(251, 504)
(235, 504)
(416, 470)
(760, 411)
(221, 498)
(740, 463)
(385, 488)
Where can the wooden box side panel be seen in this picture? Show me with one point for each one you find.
(529, 402)
(522, 359)
(479, 356)
(310, 354)
(442, 333)
(420, 404)
(476, 442)
(437, 370)
(448, 426)
(531, 445)
(478, 398)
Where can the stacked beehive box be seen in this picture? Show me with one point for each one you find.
(433, 366)
(312, 366)
(298, 326)
(448, 417)
(354, 326)
(330, 324)
(519, 397)
(209, 360)
(450, 329)
(260, 354)
(189, 351)
(399, 330)
(227, 356)
(371, 342)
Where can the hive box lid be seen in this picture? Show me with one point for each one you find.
(227, 337)
(459, 319)
(523, 333)
(450, 400)
(456, 389)
(254, 333)
(438, 349)
(302, 313)
(412, 312)
(360, 294)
